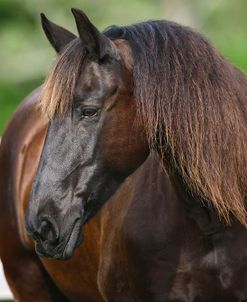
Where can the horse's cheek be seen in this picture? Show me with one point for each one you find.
(123, 148)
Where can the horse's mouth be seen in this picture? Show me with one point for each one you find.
(74, 240)
(62, 251)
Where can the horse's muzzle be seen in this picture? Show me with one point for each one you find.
(50, 243)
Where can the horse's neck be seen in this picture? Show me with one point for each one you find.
(153, 192)
(201, 211)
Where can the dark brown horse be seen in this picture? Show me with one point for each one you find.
(122, 107)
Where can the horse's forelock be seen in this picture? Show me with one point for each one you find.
(60, 84)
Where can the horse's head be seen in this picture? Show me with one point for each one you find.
(94, 140)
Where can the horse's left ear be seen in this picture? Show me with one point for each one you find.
(96, 43)
(58, 36)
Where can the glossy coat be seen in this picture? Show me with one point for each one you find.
(142, 246)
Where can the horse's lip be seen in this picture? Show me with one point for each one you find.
(40, 251)
(72, 242)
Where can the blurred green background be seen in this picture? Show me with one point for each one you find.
(25, 54)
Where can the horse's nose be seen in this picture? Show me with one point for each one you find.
(48, 230)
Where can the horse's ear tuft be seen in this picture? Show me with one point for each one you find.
(96, 43)
(58, 36)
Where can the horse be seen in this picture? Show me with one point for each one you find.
(129, 165)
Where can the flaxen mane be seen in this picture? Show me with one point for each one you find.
(193, 102)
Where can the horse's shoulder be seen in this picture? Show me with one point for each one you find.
(21, 146)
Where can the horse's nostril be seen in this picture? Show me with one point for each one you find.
(45, 231)
(48, 230)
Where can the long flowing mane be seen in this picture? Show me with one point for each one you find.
(193, 102)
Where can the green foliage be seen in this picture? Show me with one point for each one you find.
(10, 97)
(226, 26)
(26, 55)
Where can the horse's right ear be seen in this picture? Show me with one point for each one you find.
(58, 36)
(98, 45)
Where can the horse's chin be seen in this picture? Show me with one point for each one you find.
(66, 246)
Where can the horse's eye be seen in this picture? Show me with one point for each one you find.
(87, 112)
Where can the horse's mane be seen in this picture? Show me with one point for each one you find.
(194, 104)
